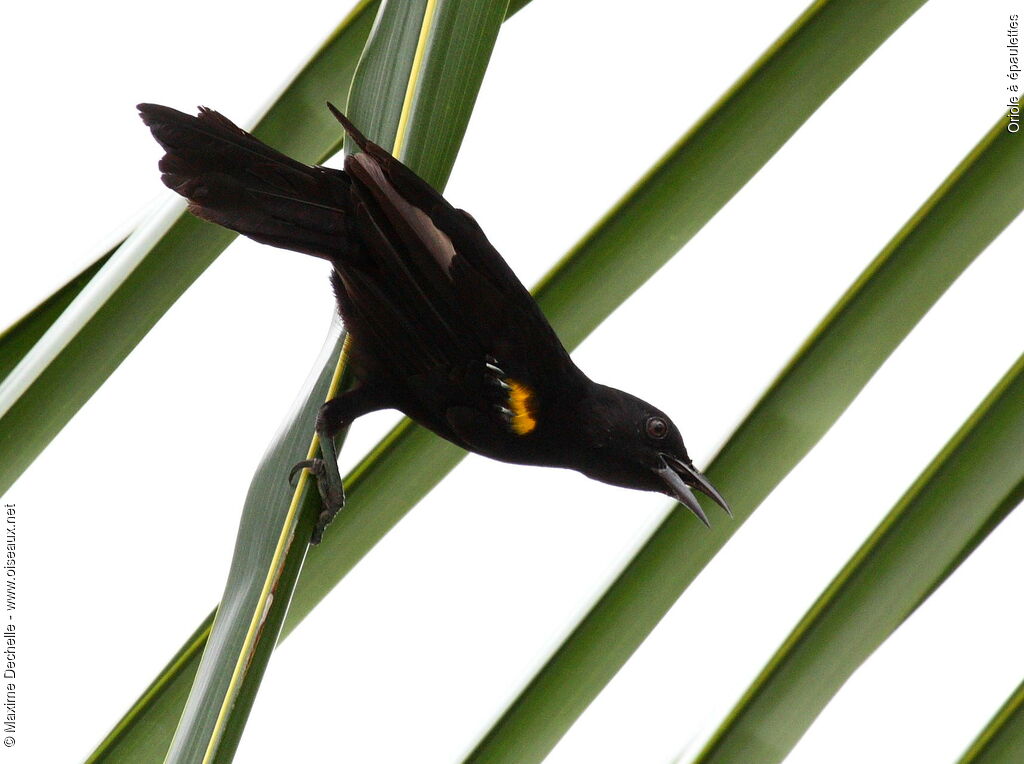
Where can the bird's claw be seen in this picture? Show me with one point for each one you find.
(305, 464)
(332, 494)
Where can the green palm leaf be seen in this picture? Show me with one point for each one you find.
(1002, 740)
(960, 219)
(140, 281)
(970, 486)
(654, 221)
(410, 462)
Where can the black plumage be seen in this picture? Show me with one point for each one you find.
(442, 329)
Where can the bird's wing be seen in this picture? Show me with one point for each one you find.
(419, 285)
(473, 294)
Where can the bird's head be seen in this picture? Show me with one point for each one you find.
(637, 446)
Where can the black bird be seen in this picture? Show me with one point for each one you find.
(441, 328)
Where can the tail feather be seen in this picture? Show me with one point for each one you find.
(231, 178)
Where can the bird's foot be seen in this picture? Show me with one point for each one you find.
(332, 494)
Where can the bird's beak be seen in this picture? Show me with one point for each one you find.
(681, 478)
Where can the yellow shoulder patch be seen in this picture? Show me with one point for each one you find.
(520, 403)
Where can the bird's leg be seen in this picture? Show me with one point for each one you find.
(334, 416)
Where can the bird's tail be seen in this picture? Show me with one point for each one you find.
(233, 179)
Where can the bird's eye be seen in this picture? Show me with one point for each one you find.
(657, 428)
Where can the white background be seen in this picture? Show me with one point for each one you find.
(127, 521)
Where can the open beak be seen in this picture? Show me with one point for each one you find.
(681, 478)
